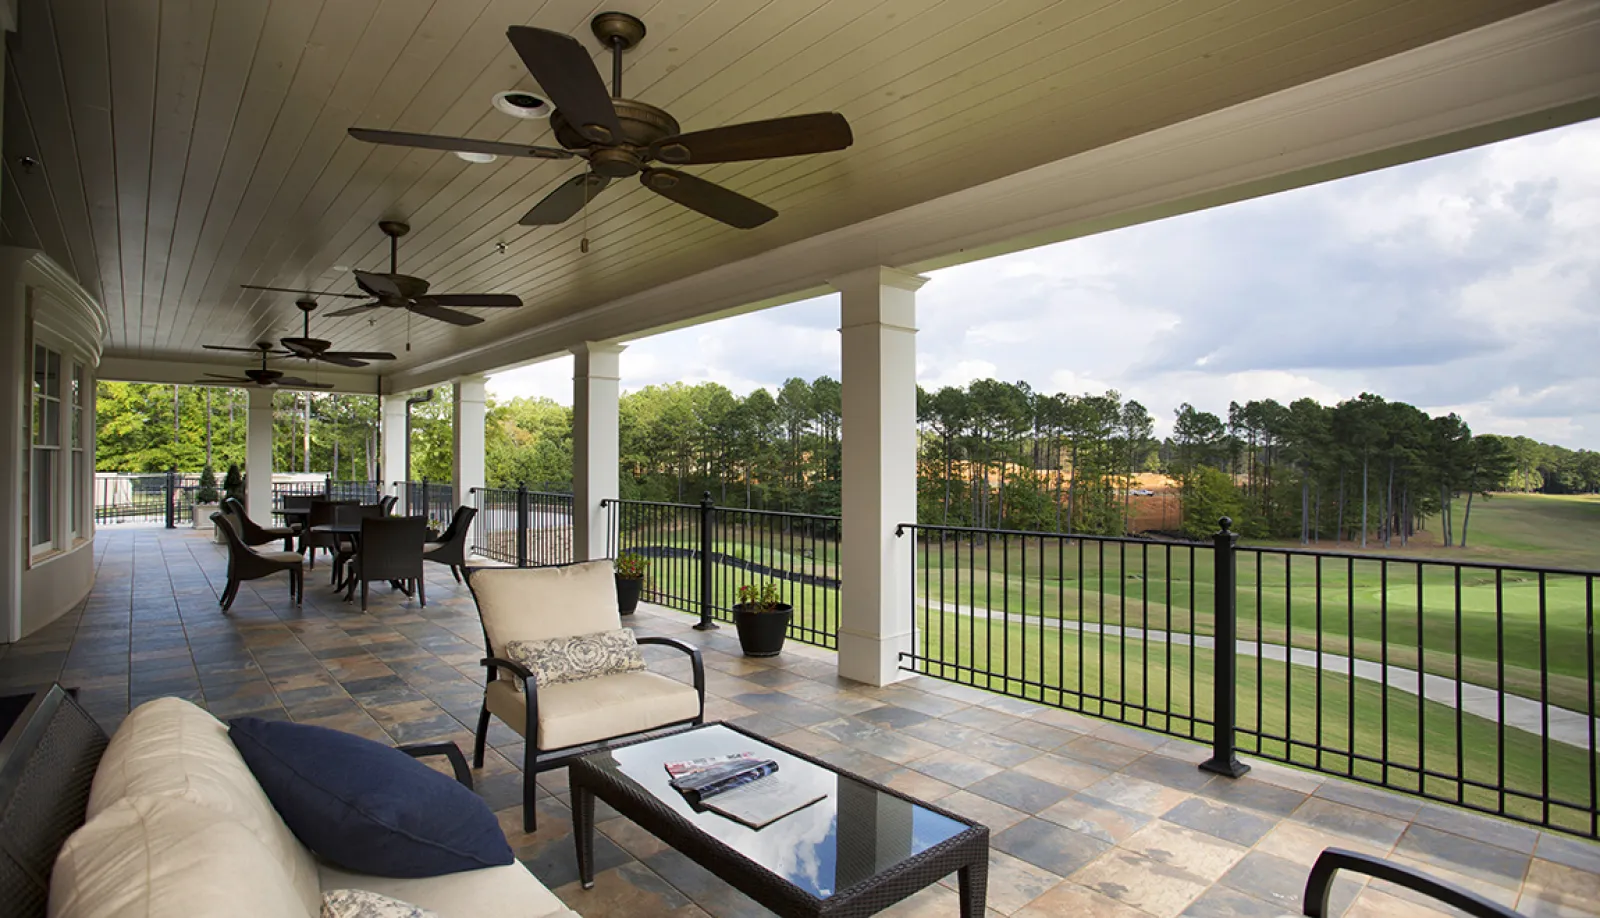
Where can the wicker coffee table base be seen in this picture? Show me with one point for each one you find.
(965, 854)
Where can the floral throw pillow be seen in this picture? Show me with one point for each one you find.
(580, 656)
(359, 903)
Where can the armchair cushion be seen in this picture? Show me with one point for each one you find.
(366, 806)
(601, 708)
(532, 604)
(580, 656)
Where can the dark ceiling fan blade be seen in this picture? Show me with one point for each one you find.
(378, 285)
(566, 200)
(348, 296)
(424, 308)
(353, 310)
(244, 350)
(476, 300)
(797, 135)
(708, 198)
(213, 377)
(361, 355)
(337, 359)
(299, 383)
(566, 72)
(457, 144)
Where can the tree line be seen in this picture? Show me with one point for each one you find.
(991, 455)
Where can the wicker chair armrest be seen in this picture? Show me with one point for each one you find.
(695, 660)
(494, 663)
(1319, 885)
(458, 762)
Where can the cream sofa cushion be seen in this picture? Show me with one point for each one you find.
(493, 892)
(536, 603)
(145, 857)
(602, 708)
(171, 748)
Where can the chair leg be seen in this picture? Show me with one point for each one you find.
(456, 571)
(363, 595)
(228, 593)
(481, 738)
(422, 594)
(297, 581)
(530, 813)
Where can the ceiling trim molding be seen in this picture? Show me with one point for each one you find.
(185, 372)
(1517, 76)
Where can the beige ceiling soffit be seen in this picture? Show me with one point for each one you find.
(184, 372)
(1521, 74)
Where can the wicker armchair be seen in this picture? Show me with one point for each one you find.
(570, 718)
(451, 549)
(253, 534)
(245, 563)
(391, 549)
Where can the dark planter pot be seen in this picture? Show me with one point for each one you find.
(761, 634)
(628, 590)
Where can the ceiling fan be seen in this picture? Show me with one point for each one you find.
(259, 377)
(620, 136)
(311, 348)
(402, 291)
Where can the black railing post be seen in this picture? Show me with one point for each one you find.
(707, 509)
(172, 488)
(427, 510)
(522, 524)
(327, 486)
(1225, 687)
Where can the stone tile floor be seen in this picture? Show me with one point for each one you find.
(1088, 817)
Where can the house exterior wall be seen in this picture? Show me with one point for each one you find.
(41, 305)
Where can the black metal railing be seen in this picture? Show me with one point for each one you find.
(523, 527)
(367, 492)
(158, 497)
(700, 554)
(435, 500)
(1468, 683)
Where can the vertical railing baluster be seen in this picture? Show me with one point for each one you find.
(707, 512)
(522, 524)
(172, 487)
(1223, 759)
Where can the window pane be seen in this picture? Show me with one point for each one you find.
(77, 489)
(52, 423)
(52, 373)
(38, 422)
(43, 482)
(39, 361)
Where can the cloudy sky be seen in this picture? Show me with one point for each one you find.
(1467, 283)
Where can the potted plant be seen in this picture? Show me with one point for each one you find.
(762, 618)
(233, 483)
(435, 529)
(630, 569)
(205, 498)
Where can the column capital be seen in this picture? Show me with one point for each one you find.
(470, 379)
(595, 347)
(594, 360)
(881, 276)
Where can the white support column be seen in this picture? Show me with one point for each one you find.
(392, 454)
(258, 456)
(469, 435)
(879, 468)
(596, 384)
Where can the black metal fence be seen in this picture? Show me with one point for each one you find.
(523, 527)
(435, 500)
(700, 554)
(159, 497)
(366, 492)
(1467, 683)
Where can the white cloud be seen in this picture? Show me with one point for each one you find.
(1468, 283)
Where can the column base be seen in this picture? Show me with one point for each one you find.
(872, 659)
(1229, 767)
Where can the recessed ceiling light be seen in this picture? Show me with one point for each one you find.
(476, 157)
(341, 267)
(519, 104)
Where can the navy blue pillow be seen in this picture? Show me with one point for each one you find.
(366, 807)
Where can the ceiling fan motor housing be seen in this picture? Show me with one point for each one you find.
(642, 125)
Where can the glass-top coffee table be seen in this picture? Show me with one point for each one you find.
(862, 849)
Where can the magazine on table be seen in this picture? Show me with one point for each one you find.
(740, 786)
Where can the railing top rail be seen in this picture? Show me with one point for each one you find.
(720, 508)
(531, 492)
(1445, 562)
(1134, 540)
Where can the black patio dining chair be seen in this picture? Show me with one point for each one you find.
(391, 549)
(322, 513)
(245, 563)
(345, 546)
(252, 533)
(451, 549)
(386, 504)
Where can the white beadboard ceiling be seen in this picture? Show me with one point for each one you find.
(184, 147)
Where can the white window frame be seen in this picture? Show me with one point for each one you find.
(77, 390)
(52, 402)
